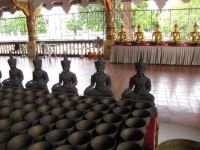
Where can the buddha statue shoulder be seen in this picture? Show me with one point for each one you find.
(157, 34)
(139, 35)
(175, 35)
(194, 35)
(122, 36)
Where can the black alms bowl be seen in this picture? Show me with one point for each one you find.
(20, 142)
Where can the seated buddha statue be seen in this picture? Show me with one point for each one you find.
(16, 75)
(67, 80)
(122, 36)
(139, 85)
(157, 34)
(139, 35)
(175, 35)
(100, 81)
(40, 77)
(194, 35)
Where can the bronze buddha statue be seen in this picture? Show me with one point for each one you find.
(100, 81)
(16, 75)
(140, 83)
(40, 77)
(194, 35)
(122, 36)
(67, 80)
(175, 35)
(139, 35)
(157, 35)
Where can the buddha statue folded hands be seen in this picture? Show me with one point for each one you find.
(67, 80)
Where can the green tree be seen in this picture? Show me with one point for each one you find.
(140, 15)
(90, 17)
(184, 14)
(41, 24)
(13, 25)
(18, 25)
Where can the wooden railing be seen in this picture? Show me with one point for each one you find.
(52, 48)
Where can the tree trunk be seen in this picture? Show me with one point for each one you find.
(127, 19)
(32, 35)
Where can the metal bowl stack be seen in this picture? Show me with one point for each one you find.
(31, 119)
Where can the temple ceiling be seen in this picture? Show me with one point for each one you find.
(13, 5)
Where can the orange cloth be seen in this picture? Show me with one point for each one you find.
(89, 54)
(94, 54)
(108, 5)
(150, 136)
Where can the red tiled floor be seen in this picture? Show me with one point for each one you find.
(176, 88)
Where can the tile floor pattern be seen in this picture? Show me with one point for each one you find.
(176, 88)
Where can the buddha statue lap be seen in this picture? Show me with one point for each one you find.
(16, 75)
(40, 77)
(100, 82)
(122, 36)
(175, 35)
(67, 80)
(157, 35)
(139, 35)
(195, 35)
(141, 84)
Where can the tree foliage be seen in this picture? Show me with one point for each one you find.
(18, 25)
(184, 14)
(90, 17)
(41, 24)
(13, 25)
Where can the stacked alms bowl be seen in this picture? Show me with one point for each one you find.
(32, 119)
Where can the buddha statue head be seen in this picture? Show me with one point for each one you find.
(195, 27)
(100, 65)
(138, 28)
(157, 27)
(65, 64)
(37, 62)
(12, 62)
(139, 66)
(175, 28)
(122, 28)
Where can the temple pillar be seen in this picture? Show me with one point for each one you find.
(110, 34)
(32, 35)
(27, 7)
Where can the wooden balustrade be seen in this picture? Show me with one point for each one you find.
(52, 48)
